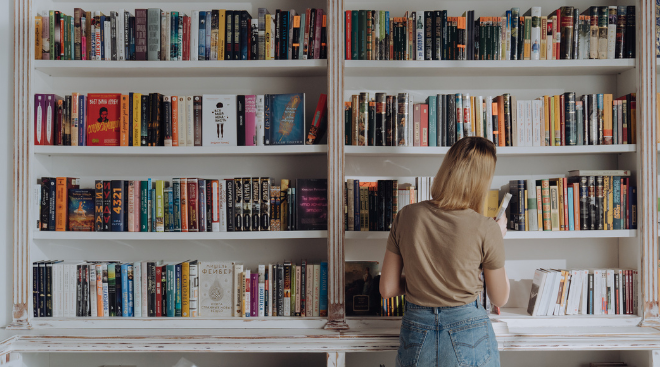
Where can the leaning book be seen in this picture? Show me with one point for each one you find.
(215, 289)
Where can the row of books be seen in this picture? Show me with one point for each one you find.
(155, 34)
(370, 206)
(182, 205)
(586, 200)
(600, 32)
(205, 289)
(583, 292)
(135, 119)
(443, 119)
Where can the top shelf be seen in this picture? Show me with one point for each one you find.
(165, 69)
(362, 68)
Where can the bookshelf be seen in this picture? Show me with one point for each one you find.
(339, 79)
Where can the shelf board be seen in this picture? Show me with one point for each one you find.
(177, 236)
(179, 322)
(364, 68)
(179, 151)
(178, 69)
(501, 151)
(515, 235)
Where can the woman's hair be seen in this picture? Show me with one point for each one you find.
(464, 177)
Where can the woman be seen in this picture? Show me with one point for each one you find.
(445, 243)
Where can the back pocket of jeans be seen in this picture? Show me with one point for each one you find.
(471, 344)
(411, 342)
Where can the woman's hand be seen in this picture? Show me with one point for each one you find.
(502, 224)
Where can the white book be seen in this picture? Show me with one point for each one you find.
(92, 290)
(219, 120)
(168, 35)
(536, 292)
(536, 33)
(259, 120)
(574, 293)
(420, 34)
(194, 35)
(564, 294)
(222, 210)
(547, 296)
(190, 122)
(137, 289)
(214, 288)
(598, 301)
(529, 124)
(519, 135)
(121, 36)
(107, 39)
(317, 288)
(194, 286)
(106, 307)
(262, 290)
(620, 295)
(549, 55)
(143, 270)
(489, 118)
(55, 289)
(68, 278)
(611, 295)
(537, 115)
(611, 34)
(552, 302)
(237, 289)
(584, 300)
(181, 120)
(531, 205)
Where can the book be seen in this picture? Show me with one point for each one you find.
(103, 118)
(361, 288)
(285, 118)
(215, 289)
(219, 120)
(81, 210)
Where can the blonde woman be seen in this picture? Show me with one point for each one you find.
(444, 244)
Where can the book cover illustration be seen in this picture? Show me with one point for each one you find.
(215, 289)
(81, 210)
(219, 120)
(362, 288)
(312, 201)
(103, 119)
(287, 118)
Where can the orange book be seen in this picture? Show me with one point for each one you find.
(560, 199)
(607, 119)
(576, 205)
(184, 204)
(546, 116)
(123, 121)
(564, 186)
(557, 119)
(500, 121)
(61, 207)
(496, 133)
(175, 121)
(99, 289)
(633, 119)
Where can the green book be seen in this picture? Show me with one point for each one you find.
(144, 206)
(171, 290)
(362, 34)
(354, 35)
(528, 38)
(65, 39)
(51, 38)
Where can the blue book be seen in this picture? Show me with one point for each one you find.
(82, 121)
(176, 201)
(171, 289)
(245, 34)
(323, 292)
(131, 301)
(285, 118)
(201, 53)
(102, 37)
(177, 290)
(590, 299)
(208, 36)
(632, 207)
(170, 211)
(147, 194)
(124, 290)
(174, 35)
(433, 138)
(571, 217)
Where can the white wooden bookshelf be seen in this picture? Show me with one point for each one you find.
(38, 339)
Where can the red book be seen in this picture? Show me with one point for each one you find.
(159, 292)
(576, 205)
(186, 39)
(250, 120)
(347, 34)
(562, 119)
(193, 206)
(565, 200)
(416, 124)
(317, 33)
(424, 125)
(317, 128)
(103, 117)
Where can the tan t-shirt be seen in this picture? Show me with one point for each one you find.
(444, 252)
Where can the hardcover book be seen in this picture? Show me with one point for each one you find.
(285, 118)
(215, 287)
(103, 119)
(312, 202)
(219, 120)
(81, 210)
(362, 288)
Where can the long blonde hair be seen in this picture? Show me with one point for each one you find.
(464, 177)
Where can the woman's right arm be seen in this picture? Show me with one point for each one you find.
(497, 286)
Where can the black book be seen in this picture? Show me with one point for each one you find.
(112, 294)
(600, 209)
(451, 119)
(131, 38)
(87, 311)
(209, 207)
(508, 115)
(201, 204)
(380, 118)
(237, 34)
(52, 196)
(229, 204)
(151, 289)
(428, 35)
(44, 224)
(113, 35)
(247, 204)
(36, 310)
(167, 121)
(373, 203)
(118, 291)
(513, 205)
(629, 43)
(240, 120)
(371, 129)
(437, 35)
(387, 197)
(144, 128)
(591, 191)
(163, 289)
(584, 204)
(356, 205)
(48, 279)
(79, 290)
(470, 36)
(570, 125)
(98, 206)
(229, 35)
(107, 204)
(117, 222)
(280, 290)
(324, 39)
(362, 37)
(390, 113)
(284, 36)
(130, 118)
(256, 204)
(125, 205)
(245, 35)
(265, 204)
(154, 133)
(312, 204)
(590, 298)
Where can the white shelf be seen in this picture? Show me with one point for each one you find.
(178, 69)
(177, 236)
(179, 322)
(501, 151)
(519, 318)
(515, 235)
(364, 68)
(179, 151)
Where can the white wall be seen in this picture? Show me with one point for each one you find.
(6, 153)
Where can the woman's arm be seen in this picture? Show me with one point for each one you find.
(392, 282)
(497, 286)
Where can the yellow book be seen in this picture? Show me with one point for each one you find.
(268, 37)
(546, 121)
(185, 289)
(160, 205)
(607, 119)
(560, 196)
(38, 38)
(539, 206)
(137, 119)
(123, 121)
(221, 33)
(557, 121)
(492, 203)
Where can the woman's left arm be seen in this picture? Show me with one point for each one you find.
(392, 282)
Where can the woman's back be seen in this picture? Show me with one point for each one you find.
(443, 252)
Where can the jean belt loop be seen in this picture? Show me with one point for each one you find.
(436, 310)
(476, 303)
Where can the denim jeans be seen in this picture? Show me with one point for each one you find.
(447, 336)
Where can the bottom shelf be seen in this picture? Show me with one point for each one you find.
(178, 322)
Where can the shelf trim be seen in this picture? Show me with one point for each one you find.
(180, 151)
(176, 236)
(517, 235)
(355, 151)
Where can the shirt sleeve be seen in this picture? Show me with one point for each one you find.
(493, 247)
(393, 239)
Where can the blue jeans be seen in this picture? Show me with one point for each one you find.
(448, 337)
